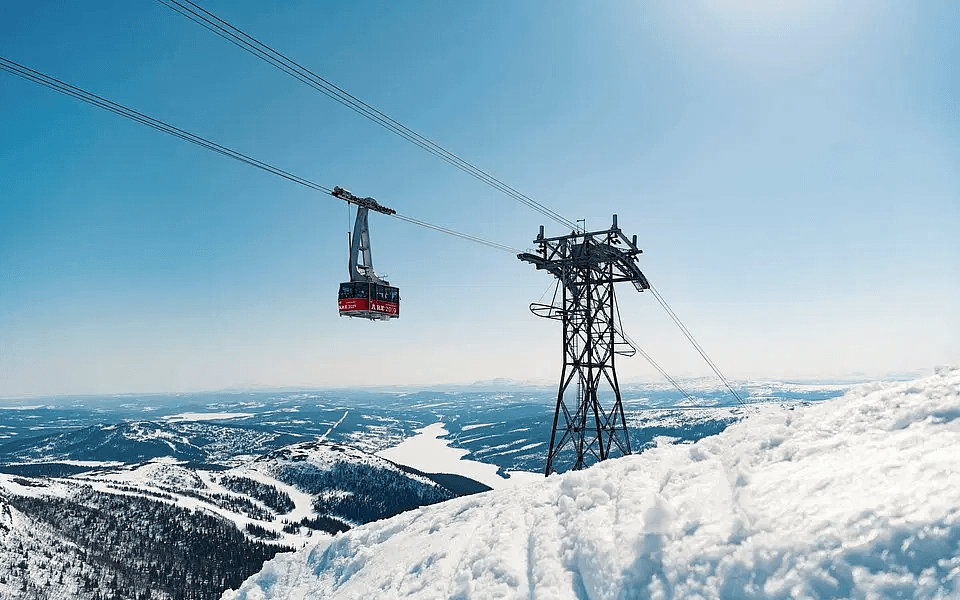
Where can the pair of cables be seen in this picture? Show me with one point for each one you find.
(276, 59)
(126, 112)
(118, 109)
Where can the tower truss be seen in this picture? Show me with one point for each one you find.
(587, 265)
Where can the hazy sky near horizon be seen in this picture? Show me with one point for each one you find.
(792, 171)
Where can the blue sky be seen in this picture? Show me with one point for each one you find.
(792, 173)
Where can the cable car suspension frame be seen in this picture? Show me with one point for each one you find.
(366, 295)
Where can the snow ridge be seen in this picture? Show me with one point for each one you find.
(856, 497)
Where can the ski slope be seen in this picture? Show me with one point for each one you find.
(856, 497)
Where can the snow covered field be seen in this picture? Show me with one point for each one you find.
(856, 497)
(216, 416)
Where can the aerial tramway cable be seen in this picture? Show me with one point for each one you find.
(90, 98)
(118, 109)
(458, 234)
(273, 57)
(695, 343)
(659, 369)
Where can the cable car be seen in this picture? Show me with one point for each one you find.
(369, 300)
(366, 295)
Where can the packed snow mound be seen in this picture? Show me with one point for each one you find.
(857, 497)
(161, 473)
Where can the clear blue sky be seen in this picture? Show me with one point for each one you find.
(792, 172)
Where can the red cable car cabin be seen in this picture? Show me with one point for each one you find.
(365, 295)
(369, 300)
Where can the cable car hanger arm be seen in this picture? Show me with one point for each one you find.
(370, 203)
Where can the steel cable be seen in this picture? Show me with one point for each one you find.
(123, 111)
(273, 57)
(686, 332)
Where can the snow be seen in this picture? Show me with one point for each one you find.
(180, 485)
(430, 454)
(303, 506)
(215, 416)
(25, 486)
(162, 473)
(475, 426)
(76, 463)
(857, 497)
(28, 549)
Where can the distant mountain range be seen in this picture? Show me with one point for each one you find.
(139, 441)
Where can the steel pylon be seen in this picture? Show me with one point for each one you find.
(587, 265)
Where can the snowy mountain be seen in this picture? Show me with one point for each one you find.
(348, 485)
(168, 529)
(35, 562)
(854, 497)
(187, 495)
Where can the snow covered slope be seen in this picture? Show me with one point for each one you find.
(856, 497)
(198, 531)
(350, 485)
(36, 562)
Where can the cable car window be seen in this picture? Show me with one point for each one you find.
(355, 289)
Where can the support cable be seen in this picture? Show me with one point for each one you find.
(123, 111)
(696, 345)
(273, 57)
(656, 366)
(458, 234)
(90, 98)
